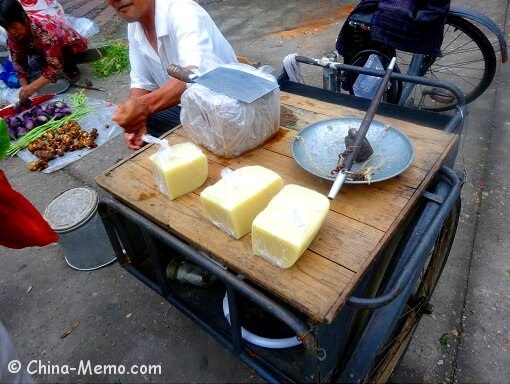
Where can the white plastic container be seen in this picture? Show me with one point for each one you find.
(82, 236)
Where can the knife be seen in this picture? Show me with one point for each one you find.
(36, 100)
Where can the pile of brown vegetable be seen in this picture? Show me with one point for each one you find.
(53, 143)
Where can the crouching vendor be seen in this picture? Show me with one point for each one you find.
(42, 48)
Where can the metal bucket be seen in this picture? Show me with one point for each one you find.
(82, 237)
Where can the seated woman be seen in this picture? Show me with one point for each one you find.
(42, 49)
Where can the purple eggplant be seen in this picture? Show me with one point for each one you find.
(16, 121)
(40, 120)
(42, 112)
(66, 111)
(13, 132)
(50, 110)
(59, 115)
(21, 130)
(29, 123)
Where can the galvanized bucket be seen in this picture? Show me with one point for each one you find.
(82, 237)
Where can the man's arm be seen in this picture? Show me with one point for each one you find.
(133, 113)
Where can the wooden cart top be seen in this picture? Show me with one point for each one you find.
(361, 219)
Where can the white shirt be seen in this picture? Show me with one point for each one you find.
(186, 36)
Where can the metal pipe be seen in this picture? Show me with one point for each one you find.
(204, 261)
(419, 247)
(461, 100)
(362, 132)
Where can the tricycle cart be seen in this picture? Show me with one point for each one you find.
(354, 299)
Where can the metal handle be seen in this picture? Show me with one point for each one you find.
(181, 73)
(307, 60)
(362, 132)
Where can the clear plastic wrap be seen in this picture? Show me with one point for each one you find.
(226, 126)
(99, 118)
(178, 169)
(283, 231)
(163, 154)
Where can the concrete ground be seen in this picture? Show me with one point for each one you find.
(115, 319)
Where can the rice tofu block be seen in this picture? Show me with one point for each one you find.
(285, 229)
(180, 169)
(234, 201)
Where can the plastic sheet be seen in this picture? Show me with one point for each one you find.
(8, 95)
(100, 116)
(226, 126)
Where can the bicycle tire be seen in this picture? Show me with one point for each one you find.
(402, 335)
(478, 63)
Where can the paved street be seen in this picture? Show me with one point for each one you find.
(466, 339)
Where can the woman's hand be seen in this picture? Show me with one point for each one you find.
(131, 115)
(25, 92)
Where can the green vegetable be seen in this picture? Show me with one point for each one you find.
(4, 138)
(115, 60)
(80, 104)
(78, 100)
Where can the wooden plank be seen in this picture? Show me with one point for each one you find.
(371, 206)
(331, 241)
(332, 111)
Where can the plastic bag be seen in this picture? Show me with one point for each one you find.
(178, 169)
(43, 7)
(365, 85)
(85, 27)
(226, 126)
(8, 95)
(160, 157)
(9, 76)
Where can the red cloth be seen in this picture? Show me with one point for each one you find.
(21, 224)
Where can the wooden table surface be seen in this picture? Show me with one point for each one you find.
(361, 219)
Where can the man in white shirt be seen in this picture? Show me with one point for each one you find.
(163, 32)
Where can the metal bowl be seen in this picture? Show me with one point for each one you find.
(316, 149)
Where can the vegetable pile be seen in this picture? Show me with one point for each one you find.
(53, 143)
(78, 102)
(115, 60)
(36, 116)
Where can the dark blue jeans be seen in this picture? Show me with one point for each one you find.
(162, 121)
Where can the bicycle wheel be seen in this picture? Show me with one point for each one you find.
(468, 61)
(417, 305)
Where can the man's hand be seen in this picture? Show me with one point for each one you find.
(131, 115)
(134, 140)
